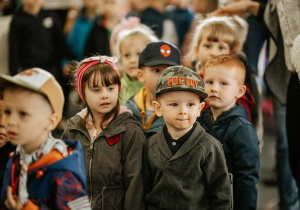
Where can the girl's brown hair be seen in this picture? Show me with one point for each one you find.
(106, 75)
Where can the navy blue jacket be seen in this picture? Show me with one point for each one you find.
(240, 143)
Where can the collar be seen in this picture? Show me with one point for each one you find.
(140, 99)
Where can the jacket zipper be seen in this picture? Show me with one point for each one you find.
(90, 172)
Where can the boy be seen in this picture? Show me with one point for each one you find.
(153, 60)
(184, 166)
(6, 148)
(45, 172)
(228, 122)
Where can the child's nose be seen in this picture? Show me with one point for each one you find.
(183, 110)
(9, 120)
(104, 94)
(214, 87)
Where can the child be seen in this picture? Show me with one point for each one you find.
(222, 35)
(185, 167)
(44, 173)
(6, 148)
(130, 43)
(153, 60)
(111, 138)
(227, 121)
(156, 17)
(200, 9)
(36, 40)
(97, 41)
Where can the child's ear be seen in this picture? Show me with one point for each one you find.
(140, 76)
(195, 49)
(157, 108)
(201, 106)
(236, 49)
(241, 92)
(53, 122)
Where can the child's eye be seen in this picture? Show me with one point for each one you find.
(23, 114)
(110, 88)
(127, 55)
(156, 70)
(174, 104)
(223, 83)
(207, 46)
(96, 90)
(191, 104)
(7, 112)
(208, 82)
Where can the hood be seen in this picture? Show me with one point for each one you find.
(74, 162)
(237, 111)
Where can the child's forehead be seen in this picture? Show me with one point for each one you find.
(182, 96)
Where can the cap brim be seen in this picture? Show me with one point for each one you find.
(161, 62)
(4, 78)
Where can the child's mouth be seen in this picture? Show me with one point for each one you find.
(11, 135)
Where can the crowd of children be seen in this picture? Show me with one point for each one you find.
(170, 109)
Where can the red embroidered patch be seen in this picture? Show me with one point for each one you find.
(113, 140)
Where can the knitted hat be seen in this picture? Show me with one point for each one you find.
(160, 53)
(40, 81)
(179, 78)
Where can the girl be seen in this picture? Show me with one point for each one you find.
(130, 38)
(111, 138)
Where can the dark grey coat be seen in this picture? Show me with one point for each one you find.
(114, 173)
(196, 177)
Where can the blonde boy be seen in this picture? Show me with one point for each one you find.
(153, 60)
(42, 173)
(228, 122)
(184, 166)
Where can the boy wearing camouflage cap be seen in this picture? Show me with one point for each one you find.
(184, 166)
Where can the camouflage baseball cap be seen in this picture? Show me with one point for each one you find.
(179, 78)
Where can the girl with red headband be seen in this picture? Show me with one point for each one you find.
(111, 137)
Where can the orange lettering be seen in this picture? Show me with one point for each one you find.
(169, 82)
(196, 83)
(180, 82)
(192, 83)
(187, 81)
(176, 80)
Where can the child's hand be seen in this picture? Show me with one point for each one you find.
(12, 201)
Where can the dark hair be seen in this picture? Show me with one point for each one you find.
(106, 75)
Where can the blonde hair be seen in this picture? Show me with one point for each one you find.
(228, 62)
(142, 31)
(214, 29)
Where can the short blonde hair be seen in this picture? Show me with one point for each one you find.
(214, 29)
(228, 62)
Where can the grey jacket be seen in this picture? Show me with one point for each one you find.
(196, 177)
(114, 172)
(282, 20)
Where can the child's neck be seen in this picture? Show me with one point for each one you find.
(32, 11)
(97, 121)
(159, 5)
(91, 12)
(148, 102)
(34, 145)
